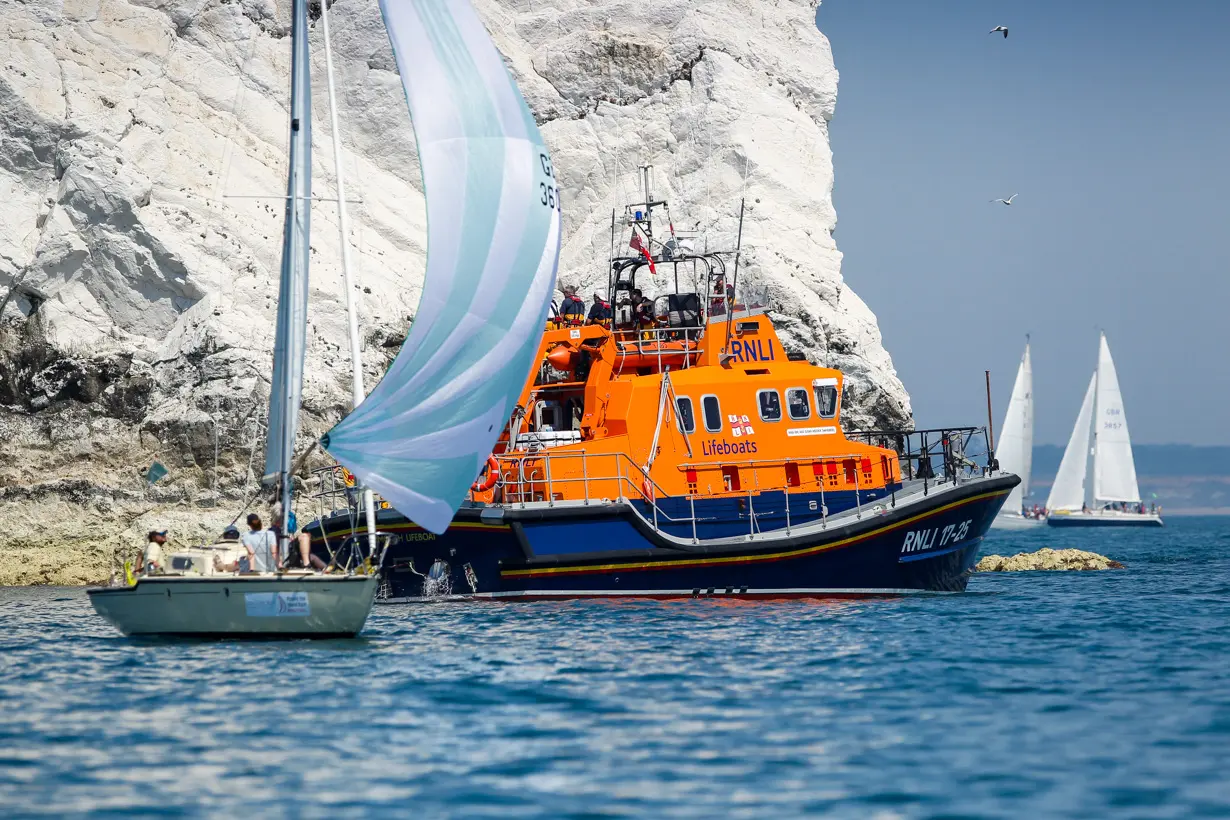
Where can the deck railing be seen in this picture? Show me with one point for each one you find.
(552, 477)
(650, 340)
(531, 478)
(956, 454)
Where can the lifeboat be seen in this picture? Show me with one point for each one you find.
(681, 450)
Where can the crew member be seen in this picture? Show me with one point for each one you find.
(600, 310)
(302, 557)
(262, 546)
(642, 308)
(150, 559)
(573, 308)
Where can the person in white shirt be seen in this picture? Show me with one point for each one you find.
(262, 546)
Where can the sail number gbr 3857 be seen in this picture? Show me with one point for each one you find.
(548, 189)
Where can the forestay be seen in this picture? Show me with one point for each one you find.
(1068, 491)
(424, 433)
(1016, 441)
(1114, 469)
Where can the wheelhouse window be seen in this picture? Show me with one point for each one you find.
(713, 413)
(826, 397)
(797, 404)
(770, 404)
(683, 414)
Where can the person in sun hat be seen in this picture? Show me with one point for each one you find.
(572, 310)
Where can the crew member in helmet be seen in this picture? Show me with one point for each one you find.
(600, 310)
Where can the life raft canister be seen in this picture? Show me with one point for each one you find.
(492, 469)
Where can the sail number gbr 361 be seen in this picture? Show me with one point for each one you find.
(548, 190)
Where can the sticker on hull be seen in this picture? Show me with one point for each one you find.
(277, 604)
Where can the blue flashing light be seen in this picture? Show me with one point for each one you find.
(638, 216)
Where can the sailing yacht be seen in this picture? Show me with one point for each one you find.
(494, 239)
(1100, 446)
(1015, 452)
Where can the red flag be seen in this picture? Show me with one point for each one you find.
(637, 245)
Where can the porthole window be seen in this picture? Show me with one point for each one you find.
(713, 413)
(683, 414)
(770, 404)
(797, 404)
(826, 397)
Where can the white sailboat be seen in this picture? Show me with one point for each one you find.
(491, 270)
(1101, 448)
(1015, 451)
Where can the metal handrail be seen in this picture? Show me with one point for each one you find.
(635, 339)
(521, 488)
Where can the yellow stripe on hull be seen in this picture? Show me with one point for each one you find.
(744, 559)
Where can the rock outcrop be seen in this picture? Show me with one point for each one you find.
(1046, 559)
(142, 154)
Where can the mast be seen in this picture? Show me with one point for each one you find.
(352, 307)
(1091, 459)
(290, 340)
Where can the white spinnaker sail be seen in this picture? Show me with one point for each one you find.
(423, 434)
(1016, 437)
(1068, 491)
(1114, 469)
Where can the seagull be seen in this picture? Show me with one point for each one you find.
(1007, 201)
(1004, 29)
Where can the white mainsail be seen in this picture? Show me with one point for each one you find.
(1016, 440)
(493, 228)
(1068, 491)
(1114, 469)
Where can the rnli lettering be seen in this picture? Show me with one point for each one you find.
(935, 538)
(752, 350)
(713, 447)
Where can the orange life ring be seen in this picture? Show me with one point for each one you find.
(493, 475)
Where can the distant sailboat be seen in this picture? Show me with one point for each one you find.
(1015, 451)
(1100, 445)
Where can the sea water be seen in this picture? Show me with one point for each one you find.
(1034, 694)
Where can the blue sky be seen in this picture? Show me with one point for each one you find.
(1112, 123)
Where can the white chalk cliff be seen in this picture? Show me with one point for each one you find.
(142, 157)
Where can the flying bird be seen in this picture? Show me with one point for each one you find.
(1007, 201)
(1004, 29)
